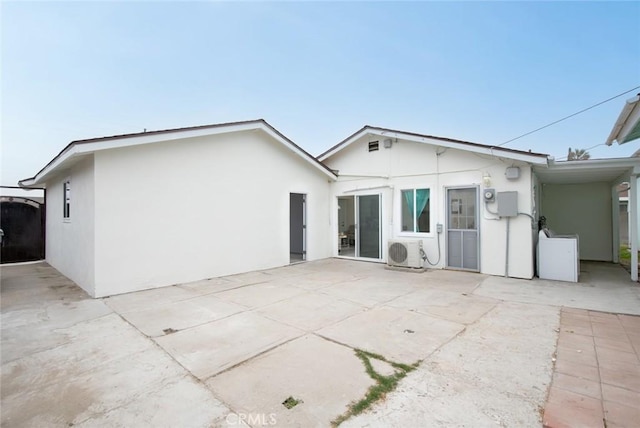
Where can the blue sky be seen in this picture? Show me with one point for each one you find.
(477, 71)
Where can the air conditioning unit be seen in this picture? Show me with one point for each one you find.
(405, 253)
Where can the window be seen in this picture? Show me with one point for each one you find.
(66, 201)
(415, 211)
(373, 146)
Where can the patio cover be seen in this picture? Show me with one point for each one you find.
(612, 171)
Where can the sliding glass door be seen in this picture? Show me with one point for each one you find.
(359, 226)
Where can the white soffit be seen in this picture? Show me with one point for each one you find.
(627, 126)
(588, 171)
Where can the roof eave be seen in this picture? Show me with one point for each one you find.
(628, 119)
(83, 147)
(533, 158)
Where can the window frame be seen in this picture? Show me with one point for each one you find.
(413, 214)
(66, 199)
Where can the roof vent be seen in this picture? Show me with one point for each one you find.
(373, 146)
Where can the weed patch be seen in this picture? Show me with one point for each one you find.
(383, 385)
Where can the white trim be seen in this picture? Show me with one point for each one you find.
(615, 223)
(491, 151)
(623, 125)
(80, 148)
(633, 229)
(413, 233)
(593, 164)
(66, 206)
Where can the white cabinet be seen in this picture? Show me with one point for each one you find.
(558, 256)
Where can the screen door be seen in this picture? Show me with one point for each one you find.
(462, 228)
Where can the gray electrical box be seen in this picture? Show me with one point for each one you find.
(507, 204)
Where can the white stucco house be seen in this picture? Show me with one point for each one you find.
(146, 210)
(395, 185)
(474, 207)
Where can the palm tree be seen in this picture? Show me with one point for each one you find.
(578, 154)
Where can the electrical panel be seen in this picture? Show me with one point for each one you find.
(507, 204)
(512, 173)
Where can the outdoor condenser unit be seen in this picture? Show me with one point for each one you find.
(405, 253)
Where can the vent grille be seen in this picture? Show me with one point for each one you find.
(398, 252)
(405, 253)
(373, 146)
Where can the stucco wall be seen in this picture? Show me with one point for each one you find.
(416, 165)
(70, 243)
(565, 205)
(198, 208)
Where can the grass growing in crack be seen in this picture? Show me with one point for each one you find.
(383, 385)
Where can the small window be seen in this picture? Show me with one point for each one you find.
(66, 202)
(416, 211)
(373, 146)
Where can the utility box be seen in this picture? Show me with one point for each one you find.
(507, 204)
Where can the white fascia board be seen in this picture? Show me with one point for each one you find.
(344, 145)
(490, 151)
(617, 133)
(161, 137)
(83, 148)
(298, 151)
(595, 164)
(80, 148)
(630, 124)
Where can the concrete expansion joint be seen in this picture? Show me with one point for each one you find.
(241, 363)
(157, 346)
(187, 372)
(68, 326)
(160, 386)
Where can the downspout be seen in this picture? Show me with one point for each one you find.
(633, 233)
(506, 257)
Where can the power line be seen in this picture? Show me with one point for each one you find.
(586, 150)
(570, 116)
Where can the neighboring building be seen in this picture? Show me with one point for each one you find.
(146, 210)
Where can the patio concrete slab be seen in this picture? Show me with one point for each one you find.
(30, 330)
(490, 368)
(454, 281)
(209, 286)
(324, 385)
(317, 280)
(210, 348)
(369, 291)
(32, 285)
(145, 299)
(176, 316)
(103, 375)
(602, 287)
(399, 335)
(258, 295)
(310, 311)
(458, 307)
(492, 374)
(249, 278)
